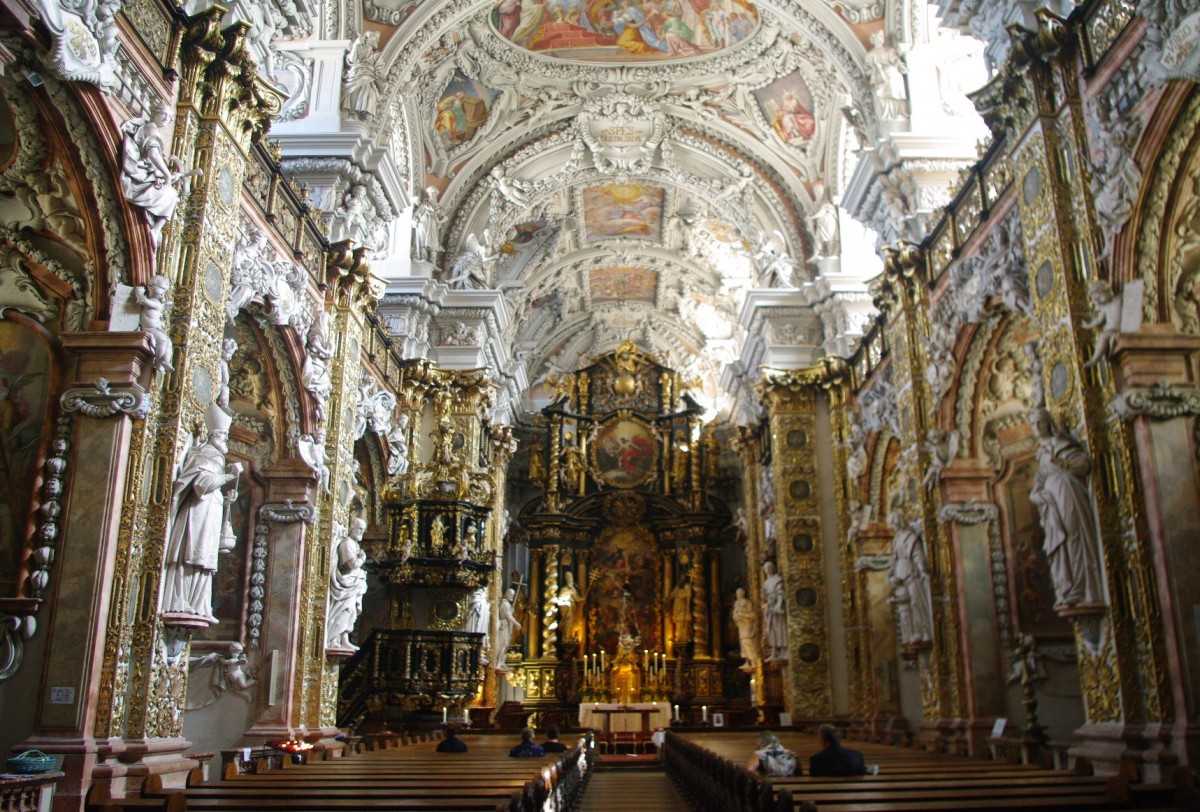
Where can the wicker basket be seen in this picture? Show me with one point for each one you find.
(31, 762)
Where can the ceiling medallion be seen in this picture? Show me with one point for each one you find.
(623, 31)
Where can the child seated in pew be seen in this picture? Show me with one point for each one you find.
(835, 760)
(772, 759)
(552, 744)
(452, 743)
(527, 749)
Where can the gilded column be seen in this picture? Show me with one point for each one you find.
(550, 602)
(700, 603)
(503, 447)
(223, 105)
(790, 399)
(902, 293)
(1123, 663)
(351, 292)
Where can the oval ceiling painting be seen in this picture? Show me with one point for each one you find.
(625, 30)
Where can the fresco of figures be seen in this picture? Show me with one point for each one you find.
(787, 106)
(625, 30)
(622, 285)
(462, 109)
(623, 210)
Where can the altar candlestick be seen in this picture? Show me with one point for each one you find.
(753, 699)
(645, 659)
(603, 667)
(676, 713)
(466, 717)
(704, 713)
(445, 717)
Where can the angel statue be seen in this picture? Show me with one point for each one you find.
(148, 172)
(942, 447)
(472, 268)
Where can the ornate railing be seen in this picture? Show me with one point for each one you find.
(410, 669)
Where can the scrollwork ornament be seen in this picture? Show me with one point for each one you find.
(103, 400)
(969, 512)
(1159, 402)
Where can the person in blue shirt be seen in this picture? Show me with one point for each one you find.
(527, 749)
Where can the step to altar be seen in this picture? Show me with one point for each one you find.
(624, 762)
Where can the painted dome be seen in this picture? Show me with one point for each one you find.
(625, 30)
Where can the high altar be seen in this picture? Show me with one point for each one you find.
(624, 530)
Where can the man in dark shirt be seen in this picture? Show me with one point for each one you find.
(527, 749)
(452, 743)
(552, 744)
(835, 760)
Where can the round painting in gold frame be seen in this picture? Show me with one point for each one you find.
(624, 453)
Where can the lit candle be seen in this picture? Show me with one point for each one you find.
(445, 716)
(704, 713)
(752, 694)
(602, 661)
(676, 713)
(466, 717)
(645, 659)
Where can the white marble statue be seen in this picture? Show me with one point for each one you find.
(824, 221)
(942, 447)
(228, 348)
(397, 440)
(774, 614)
(347, 585)
(428, 219)
(511, 190)
(364, 72)
(473, 267)
(1116, 177)
(776, 266)
(887, 69)
(479, 618)
(506, 627)
(311, 448)
(154, 302)
(1108, 319)
(231, 669)
(745, 617)
(569, 603)
(856, 463)
(1064, 502)
(204, 491)
(315, 372)
(908, 574)
(149, 172)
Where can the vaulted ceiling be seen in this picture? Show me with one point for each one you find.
(632, 168)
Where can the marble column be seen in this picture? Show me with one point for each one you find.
(277, 572)
(100, 466)
(1159, 397)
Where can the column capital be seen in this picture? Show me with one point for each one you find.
(1155, 355)
(122, 359)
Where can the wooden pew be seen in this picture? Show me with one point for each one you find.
(408, 777)
(913, 780)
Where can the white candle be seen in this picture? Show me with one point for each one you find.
(466, 717)
(602, 658)
(445, 717)
(704, 713)
(645, 659)
(752, 695)
(676, 713)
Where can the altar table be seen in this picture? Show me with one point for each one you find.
(641, 717)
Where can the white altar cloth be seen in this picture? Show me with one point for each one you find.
(624, 722)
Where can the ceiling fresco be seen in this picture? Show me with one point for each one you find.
(625, 30)
(643, 170)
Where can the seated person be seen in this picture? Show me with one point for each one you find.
(772, 758)
(452, 743)
(552, 744)
(527, 749)
(835, 760)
